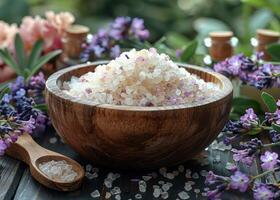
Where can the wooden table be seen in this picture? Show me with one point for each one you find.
(17, 183)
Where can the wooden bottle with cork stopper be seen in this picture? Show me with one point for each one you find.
(220, 46)
(264, 38)
(73, 38)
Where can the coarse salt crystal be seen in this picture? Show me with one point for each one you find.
(107, 195)
(53, 140)
(95, 194)
(183, 195)
(145, 79)
(138, 196)
(58, 170)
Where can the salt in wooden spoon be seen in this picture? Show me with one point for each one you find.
(28, 151)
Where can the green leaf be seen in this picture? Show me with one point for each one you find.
(274, 51)
(176, 40)
(240, 104)
(41, 61)
(272, 5)
(189, 51)
(254, 131)
(35, 53)
(276, 127)
(262, 15)
(160, 41)
(20, 54)
(269, 102)
(9, 60)
(4, 91)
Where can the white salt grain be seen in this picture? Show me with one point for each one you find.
(183, 195)
(196, 191)
(118, 197)
(156, 192)
(53, 140)
(170, 176)
(203, 173)
(164, 195)
(107, 195)
(88, 167)
(95, 194)
(141, 78)
(138, 196)
(58, 170)
(195, 175)
(115, 191)
(147, 178)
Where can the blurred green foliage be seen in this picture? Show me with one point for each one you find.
(179, 20)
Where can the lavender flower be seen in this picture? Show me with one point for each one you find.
(274, 135)
(106, 42)
(269, 160)
(250, 72)
(239, 181)
(245, 156)
(273, 117)
(216, 193)
(17, 112)
(3, 147)
(249, 119)
(265, 76)
(262, 192)
(248, 152)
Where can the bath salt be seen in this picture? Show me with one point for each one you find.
(141, 78)
(58, 170)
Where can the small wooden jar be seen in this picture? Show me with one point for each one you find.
(221, 46)
(265, 37)
(73, 39)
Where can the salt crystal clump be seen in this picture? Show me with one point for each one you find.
(58, 170)
(141, 78)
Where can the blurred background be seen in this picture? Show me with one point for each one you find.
(179, 20)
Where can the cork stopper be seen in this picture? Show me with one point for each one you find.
(77, 30)
(221, 35)
(266, 37)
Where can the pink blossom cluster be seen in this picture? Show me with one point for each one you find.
(50, 29)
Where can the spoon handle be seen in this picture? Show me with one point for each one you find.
(27, 150)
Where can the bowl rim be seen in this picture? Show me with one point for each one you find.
(52, 87)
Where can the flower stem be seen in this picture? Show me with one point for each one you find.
(271, 144)
(265, 173)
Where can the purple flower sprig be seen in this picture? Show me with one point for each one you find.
(243, 183)
(107, 41)
(247, 152)
(250, 71)
(18, 112)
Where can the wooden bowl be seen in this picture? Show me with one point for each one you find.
(135, 137)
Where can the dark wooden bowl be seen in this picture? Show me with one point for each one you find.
(135, 137)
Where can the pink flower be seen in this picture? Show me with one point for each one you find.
(31, 30)
(7, 34)
(49, 30)
(60, 21)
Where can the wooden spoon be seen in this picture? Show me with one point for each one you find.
(28, 151)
